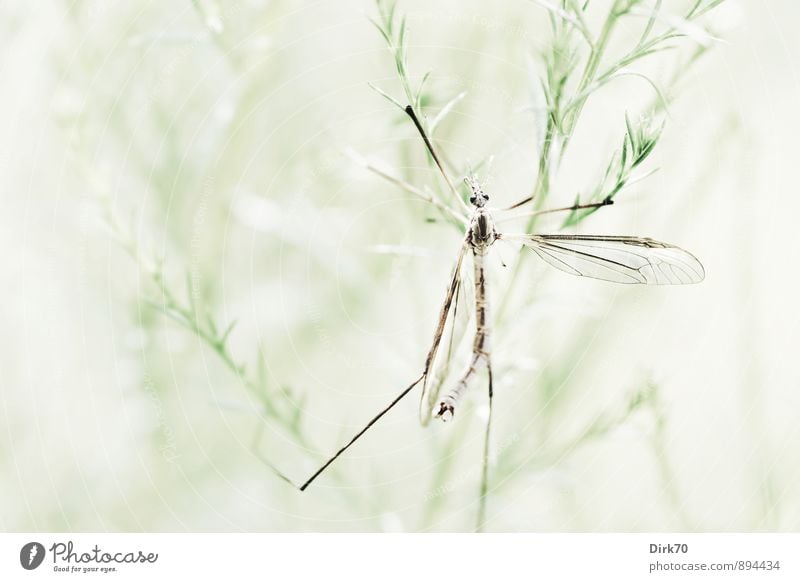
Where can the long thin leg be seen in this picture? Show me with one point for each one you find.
(453, 322)
(485, 473)
(433, 393)
(437, 338)
(361, 432)
(604, 202)
(410, 112)
(518, 204)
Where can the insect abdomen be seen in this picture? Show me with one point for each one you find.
(480, 348)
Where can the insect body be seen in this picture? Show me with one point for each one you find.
(618, 259)
(481, 235)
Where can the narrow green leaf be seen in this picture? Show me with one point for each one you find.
(444, 111)
(387, 96)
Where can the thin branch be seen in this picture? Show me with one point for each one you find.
(410, 188)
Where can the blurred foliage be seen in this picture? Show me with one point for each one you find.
(281, 292)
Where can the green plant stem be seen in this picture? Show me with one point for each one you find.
(589, 72)
(542, 188)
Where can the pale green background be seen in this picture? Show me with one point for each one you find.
(216, 134)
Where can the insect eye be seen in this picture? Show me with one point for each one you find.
(486, 197)
(472, 199)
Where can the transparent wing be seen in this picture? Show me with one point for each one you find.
(458, 319)
(429, 385)
(619, 259)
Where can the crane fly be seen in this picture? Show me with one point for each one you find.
(618, 259)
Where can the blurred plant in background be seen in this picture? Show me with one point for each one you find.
(280, 292)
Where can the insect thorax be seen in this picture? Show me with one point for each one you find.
(482, 232)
